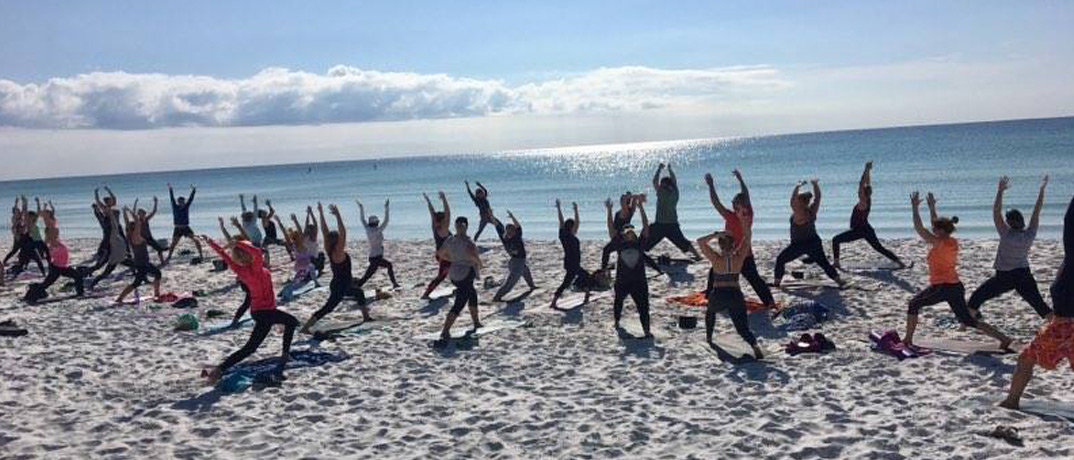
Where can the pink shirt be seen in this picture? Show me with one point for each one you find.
(58, 253)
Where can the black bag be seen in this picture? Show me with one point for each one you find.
(188, 302)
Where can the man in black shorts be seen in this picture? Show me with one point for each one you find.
(181, 220)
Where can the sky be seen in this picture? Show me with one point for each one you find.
(97, 87)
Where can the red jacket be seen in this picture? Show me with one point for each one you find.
(255, 276)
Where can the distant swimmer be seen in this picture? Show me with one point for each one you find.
(859, 222)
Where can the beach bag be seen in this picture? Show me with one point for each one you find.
(186, 302)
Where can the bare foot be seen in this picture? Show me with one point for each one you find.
(1009, 404)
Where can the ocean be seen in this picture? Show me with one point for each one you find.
(960, 163)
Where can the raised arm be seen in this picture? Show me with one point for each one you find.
(470, 192)
(256, 209)
(713, 196)
(745, 191)
(242, 230)
(110, 194)
(997, 205)
(310, 220)
(931, 200)
(281, 225)
(429, 204)
(171, 196)
(674, 180)
(865, 181)
(1035, 220)
(815, 207)
(656, 177)
(577, 220)
(154, 211)
(706, 248)
(511, 216)
(482, 188)
(794, 196)
(219, 250)
(361, 214)
(193, 191)
(447, 208)
(271, 210)
(387, 214)
(559, 212)
(223, 229)
(324, 226)
(919, 227)
(96, 198)
(342, 229)
(608, 211)
(644, 220)
(242, 202)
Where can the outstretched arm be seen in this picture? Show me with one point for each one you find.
(310, 220)
(324, 227)
(471, 192)
(482, 188)
(387, 215)
(242, 202)
(429, 204)
(511, 216)
(919, 227)
(294, 219)
(240, 228)
(713, 196)
(271, 210)
(1035, 220)
(559, 212)
(339, 223)
(193, 191)
(997, 205)
(674, 180)
(171, 196)
(656, 177)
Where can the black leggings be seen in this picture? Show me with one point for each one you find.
(481, 227)
(732, 300)
(869, 235)
(338, 290)
(374, 263)
(749, 271)
(245, 303)
(263, 322)
(672, 232)
(569, 277)
(638, 290)
(812, 248)
(1020, 280)
(27, 251)
(441, 273)
(54, 274)
(465, 293)
(955, 296)
(142, 274)
(1063, 286)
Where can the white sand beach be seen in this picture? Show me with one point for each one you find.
(97, 381)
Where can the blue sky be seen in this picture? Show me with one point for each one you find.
(148, 76)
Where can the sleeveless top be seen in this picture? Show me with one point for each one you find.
(731, 277)
(860, 217)
(341, 272)
(804, 232)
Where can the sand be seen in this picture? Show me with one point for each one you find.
(96, 381)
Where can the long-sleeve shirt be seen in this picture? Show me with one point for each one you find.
(255, 276)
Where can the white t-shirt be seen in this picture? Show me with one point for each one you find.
(375, 236)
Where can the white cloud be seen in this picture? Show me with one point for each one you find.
(275, 96)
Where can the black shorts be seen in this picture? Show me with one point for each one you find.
(181, 231)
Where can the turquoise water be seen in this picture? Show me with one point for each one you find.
(960, 163)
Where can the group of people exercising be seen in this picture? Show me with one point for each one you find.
(728, 252)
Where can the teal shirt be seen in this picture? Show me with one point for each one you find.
(666, 202)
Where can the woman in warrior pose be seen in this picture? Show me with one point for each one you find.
(859, 222)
